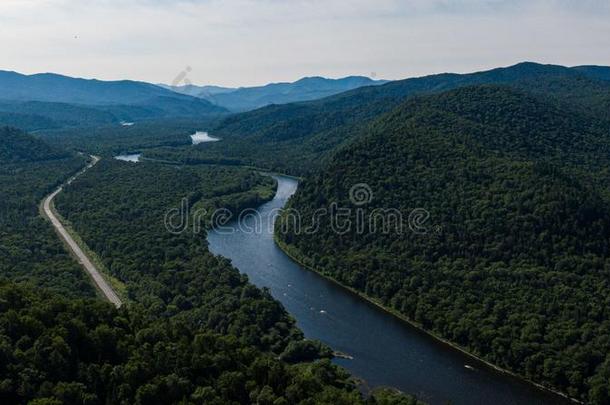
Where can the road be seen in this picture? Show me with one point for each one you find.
(87, 264)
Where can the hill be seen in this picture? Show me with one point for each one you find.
(193, 330)
(56, 88)
(29, 249)
(296, 137)
(65, 101)
(597, 72)
(17, 146)
(484, 219)
(251, 98)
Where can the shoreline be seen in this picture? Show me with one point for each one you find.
(287, 251)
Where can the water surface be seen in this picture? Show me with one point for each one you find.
(386, 350)
(201, 137)
(134, 158)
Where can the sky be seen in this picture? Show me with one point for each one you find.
(253, 42)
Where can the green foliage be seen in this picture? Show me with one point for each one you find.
(29, 249)
(27, 122)
(304, 350)
(297, 138)
(55, 350)
(55, 115)
(195, 331)
(387, 396)
(512, 262)
(119, 210)
(16, 146)
(112, 140)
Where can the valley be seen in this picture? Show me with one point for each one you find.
(494, 292)
(378, 347)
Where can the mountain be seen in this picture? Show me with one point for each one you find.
(67, 101)
(251, 98)
(17, 146)
(482, 214)
(198, 91)
(596, 72)
(63, 89)
(52, 115)
(296, 137)
(26, 122)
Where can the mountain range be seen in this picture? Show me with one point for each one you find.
(47, 100)
(495, 183)
(51, 101)
(296, 137)
(251, 98)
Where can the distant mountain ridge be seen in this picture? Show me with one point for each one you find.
(48, 100)
(295, 137)
(250, 98)
(57, 88)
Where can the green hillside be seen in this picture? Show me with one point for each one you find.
(503, 243)
(193, 330)
(295, 138)
(29, 249)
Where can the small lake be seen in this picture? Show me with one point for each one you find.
(386, 351)
(134, 158)
(201, 137)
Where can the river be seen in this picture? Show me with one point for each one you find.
(386, 351)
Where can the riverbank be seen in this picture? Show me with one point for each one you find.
(298, 258)
(178, 163)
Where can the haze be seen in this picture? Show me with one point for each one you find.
(247, 42)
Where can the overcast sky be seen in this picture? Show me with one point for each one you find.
(250, 42)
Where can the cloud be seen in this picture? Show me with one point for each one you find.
(241, 42)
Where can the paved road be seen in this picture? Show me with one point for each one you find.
(98, 279)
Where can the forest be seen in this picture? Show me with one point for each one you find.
(111, 140)
(75, 351)
(193, 330)
(511, 260)
(29, 249)
(299, 138)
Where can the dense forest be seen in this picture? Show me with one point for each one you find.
(29, 249)
(297, 138)
(73, 351)
(193, 330)
(111, 140)
(509, 258)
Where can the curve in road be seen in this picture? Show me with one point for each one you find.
(87, 264)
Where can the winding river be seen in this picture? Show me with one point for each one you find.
(386, 351)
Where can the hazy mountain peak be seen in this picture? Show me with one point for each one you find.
(250, 98)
